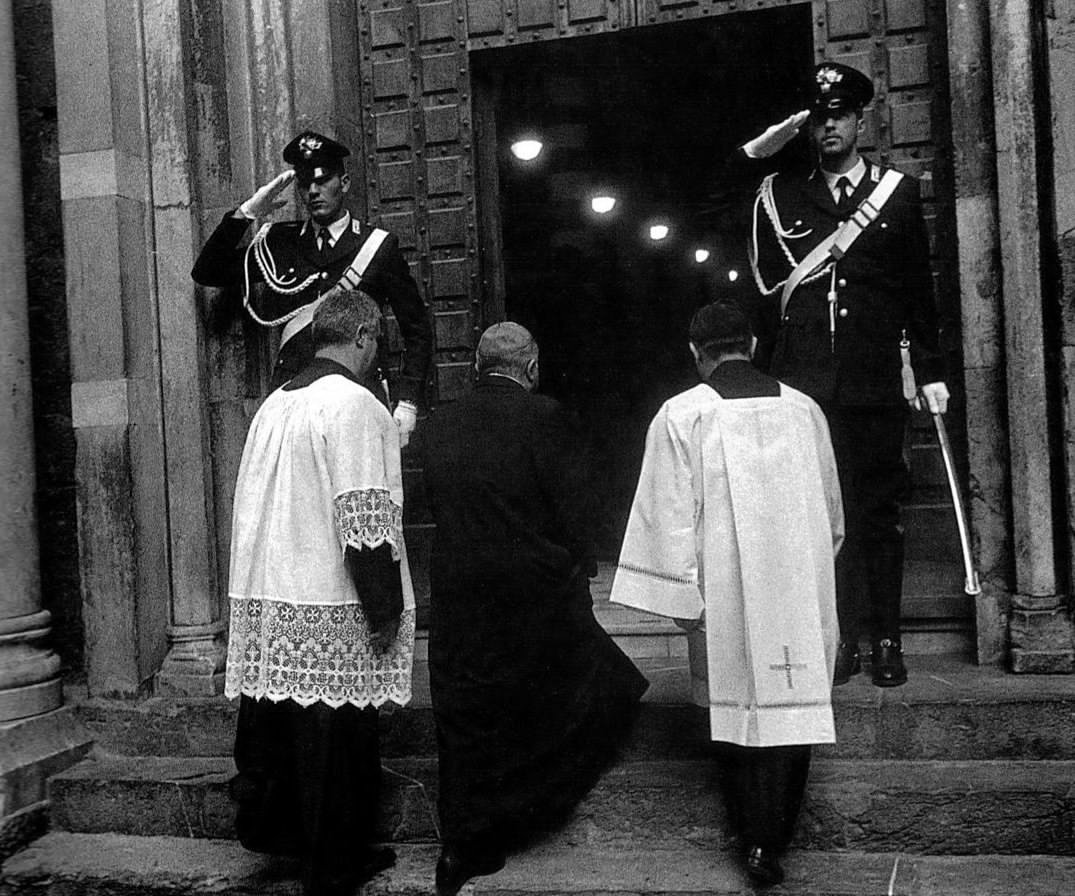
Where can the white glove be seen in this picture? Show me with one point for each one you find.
(775, 137)
(936, 396)
(264, 199)
(406, 416)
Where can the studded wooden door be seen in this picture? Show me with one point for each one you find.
(419, 130)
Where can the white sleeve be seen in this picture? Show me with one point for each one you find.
(829, 477)
(658, 566)
(362, 460)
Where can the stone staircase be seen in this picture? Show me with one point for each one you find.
(961, 782)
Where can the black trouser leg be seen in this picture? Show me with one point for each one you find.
(868, 444)
(852, 587)
(767, 785)
(886, 589)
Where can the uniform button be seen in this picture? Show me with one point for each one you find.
(291, 270)
(799, 223)
(884, 225)
(841, 282)
(843, 312)
(324, 275)
(787, 317)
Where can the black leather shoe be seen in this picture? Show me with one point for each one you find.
(455, 868)
(847, 663)
(763, 867)
(888, 668)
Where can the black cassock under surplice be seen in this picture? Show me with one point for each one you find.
(530, 695)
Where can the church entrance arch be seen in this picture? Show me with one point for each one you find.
(441, 83)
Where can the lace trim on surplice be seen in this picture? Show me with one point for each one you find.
(315, 652)
(369, 517)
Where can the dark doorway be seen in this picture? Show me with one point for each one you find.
(648, 117)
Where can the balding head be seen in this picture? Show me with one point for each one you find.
(508, 349)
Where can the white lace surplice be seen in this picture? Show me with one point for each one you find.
(320, 471)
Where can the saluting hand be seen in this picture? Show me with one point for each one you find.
(775, 137)
(264, 200)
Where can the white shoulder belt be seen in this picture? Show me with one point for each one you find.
(836, 244)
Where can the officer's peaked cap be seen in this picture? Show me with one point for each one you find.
(837, 86)
(315, 154)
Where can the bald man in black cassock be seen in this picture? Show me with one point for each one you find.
(530, 695)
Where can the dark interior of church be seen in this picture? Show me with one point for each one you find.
(647, 118)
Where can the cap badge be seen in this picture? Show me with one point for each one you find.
(309, 144)
(827, 78)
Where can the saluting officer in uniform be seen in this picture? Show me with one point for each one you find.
(298, 262)
(840, 251)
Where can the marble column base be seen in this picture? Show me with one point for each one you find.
(29, 671)
(194, 666)
(1042, 639)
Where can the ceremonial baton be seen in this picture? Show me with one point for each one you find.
(970, 585)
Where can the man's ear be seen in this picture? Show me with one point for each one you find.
(861, 124)
(345, 182)
(753, 345)
(694, 351)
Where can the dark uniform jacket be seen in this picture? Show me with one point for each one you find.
(884, 289)
(223, 262)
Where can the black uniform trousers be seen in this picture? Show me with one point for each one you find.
(308, 785)
(874, 479)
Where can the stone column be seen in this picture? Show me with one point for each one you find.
(37, 736)
(982, 314)
(194, 664)
(29, 671)
(1040, 628)
(112, 310)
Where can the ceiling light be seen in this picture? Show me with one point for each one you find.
(526, 150)
(701, 255)
(603, 203)
(658, 232)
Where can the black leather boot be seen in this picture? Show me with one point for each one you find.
(848, 663)
(888, 668)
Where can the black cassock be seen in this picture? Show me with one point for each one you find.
(530, 695)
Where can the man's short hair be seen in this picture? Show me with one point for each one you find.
(721, 328)
(505, 348)
(339, 317)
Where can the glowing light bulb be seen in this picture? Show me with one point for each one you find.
(658, 232)
(603, 204)
(527, 150)
(733, 275)
(701, 255)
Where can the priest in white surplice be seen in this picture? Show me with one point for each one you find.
(734, 529)
(322, 609)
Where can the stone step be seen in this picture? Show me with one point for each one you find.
(930, 807)
(948, 710)
(62, 864)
